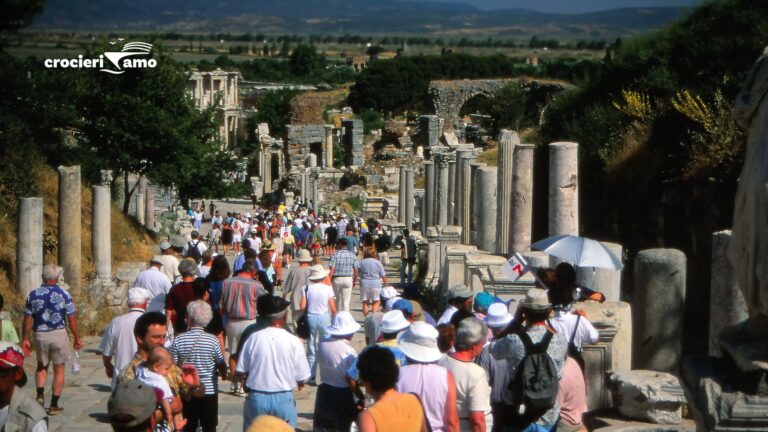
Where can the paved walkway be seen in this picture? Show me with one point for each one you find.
(85, 395)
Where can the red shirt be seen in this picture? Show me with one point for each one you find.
(177, 300)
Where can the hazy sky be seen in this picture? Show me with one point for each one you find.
(569, 6)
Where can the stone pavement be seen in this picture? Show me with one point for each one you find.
(85, 395)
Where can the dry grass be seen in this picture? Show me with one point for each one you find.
(489, 157)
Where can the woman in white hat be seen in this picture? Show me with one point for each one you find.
(334, 405)
(423, 376)
(319, 305)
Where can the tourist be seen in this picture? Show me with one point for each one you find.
(238, 307)
(237, 233)
(49, 309)
(320, 306)
(168, 261)
(344, 267)
(568, 290)
(206, 261)
(389, 296)
(118, 340)
(407, 258)
(382, 243)
(372, 277)
(7, 330)
(219, 272)
(530, 319)
(459, 298)
(393, 410)
(180, 295)
(156, 282)
(227, 236)
(483, 300)
(248, 253)
(154, 372)
(267, 273)
(203, 351)
(335, 408)
(473, 394)
(214, 237)
(274, 363)
(423, 376)
(352, 241)
(216, 218)
(293, 289)
(497, 319)
(194, 248)
(215, 327)
(288, 248)
(22, 413)
(331, 237)
(197, 216)
(269, 423)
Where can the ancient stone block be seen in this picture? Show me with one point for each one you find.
(648, 395)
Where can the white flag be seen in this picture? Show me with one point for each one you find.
(515, 267)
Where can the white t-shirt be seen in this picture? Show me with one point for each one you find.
(274, 361)
(157, 283)
(155, 380)
(317, 298)
(335, 357)
(472, 390)
(564, 323)
(118, 340)
(201, 246)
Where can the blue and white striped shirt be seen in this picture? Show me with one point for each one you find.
(201, 350)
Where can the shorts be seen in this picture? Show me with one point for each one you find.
(370, 295)
(52, 347)
(288, 249)
(237, 239)
(235, 329)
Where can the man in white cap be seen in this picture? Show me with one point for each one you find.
(530, 323)
(156, 282)
(169, 262)
(118, 340)
(459, 297)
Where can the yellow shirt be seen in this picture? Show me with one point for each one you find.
(288, 240)
(398, 414)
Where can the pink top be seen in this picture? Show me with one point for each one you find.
(572, 395)
(430, 382)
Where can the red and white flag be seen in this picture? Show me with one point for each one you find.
(515, 267)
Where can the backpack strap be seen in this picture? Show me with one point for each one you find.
(539, 348)
(576, 327)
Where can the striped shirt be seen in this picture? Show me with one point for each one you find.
(238, 297)
(201, 350)
(344, 263)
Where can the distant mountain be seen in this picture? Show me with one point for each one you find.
(339, 16)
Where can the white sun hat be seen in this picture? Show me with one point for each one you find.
(343, 325)
(419, 343)
(317, 272)
(393, 322)
(498, 315)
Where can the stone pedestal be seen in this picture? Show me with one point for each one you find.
(521, 224)
(726, 300)
(70, 239)
(29, 245)
(563, 188)
(454, 264)
(474, 262)
(606, 281)
(507, 142)
(483, 210)
(446, 235)
(101, 235)
(653, 396)
(659, 309)
(409, 199)
(428, 213)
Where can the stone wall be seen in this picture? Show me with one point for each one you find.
(298, 139)
(353, 141)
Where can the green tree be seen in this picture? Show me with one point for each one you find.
(274, 108)
(305, 60)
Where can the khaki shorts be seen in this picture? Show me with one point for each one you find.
(235, 329)
(52, 347)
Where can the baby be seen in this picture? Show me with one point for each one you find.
(154, 373)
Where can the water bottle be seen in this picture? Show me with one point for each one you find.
(76, 363)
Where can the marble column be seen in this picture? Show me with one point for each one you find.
(267, 173)
(149, 208)
(464, 195)
(409, 199)
(315, 195)
(564, 188)
(606, 281)
(521, 223)
(101, 232)
(507, 142)
(441, 188)
(727, 304)
(401, 196)
(70, 238)
(140, 210)
(451, 189)
(484, 207)
(458, 202)
(329, 146)
(659, 309)
(428, 215)
(29, 245)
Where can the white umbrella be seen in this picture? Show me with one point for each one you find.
(579, 251)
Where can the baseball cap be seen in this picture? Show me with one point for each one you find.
(459, 291)
(131, 404)
(165, 245)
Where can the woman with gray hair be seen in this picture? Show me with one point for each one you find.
(202, 350)
(473, 394)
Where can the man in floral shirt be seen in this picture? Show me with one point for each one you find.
(48, 310)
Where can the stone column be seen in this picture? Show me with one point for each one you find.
(304, 189)
(101, 232)
(464, 194)
(507, 142)
(521, 223)
(451, 190)
(312, 160)
(726, 300)
(606, 281)
(442, 186)
(70, 210)
(328, 146)
(315, 195)
(409, 199)
(401, 196)
(458, 203)
(29, 245)
(140, 210)
(428, 209)
(659, 308)
(483, 215)
(267, 173)
(563, 188)
(149, 208)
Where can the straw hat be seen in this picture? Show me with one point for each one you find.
(318, 272)
(536, 299)
(419, 343)
(343, 325)
(304, 256)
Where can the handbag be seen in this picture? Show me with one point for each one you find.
(302, 324)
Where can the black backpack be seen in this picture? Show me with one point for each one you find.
(536, 382)
(193, 252)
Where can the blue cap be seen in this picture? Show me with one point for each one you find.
(484, 299)
(404, 306)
